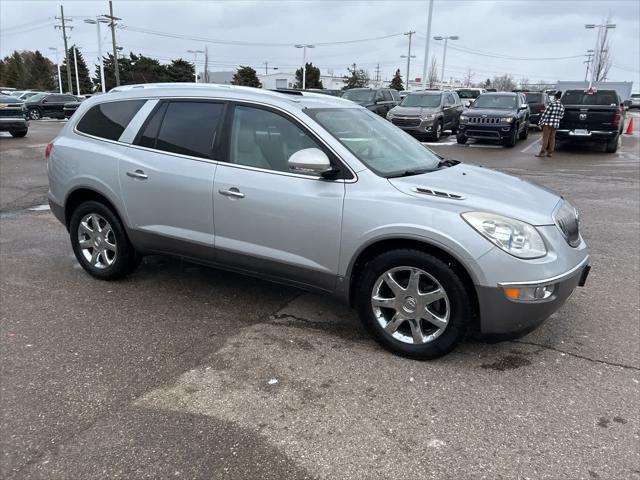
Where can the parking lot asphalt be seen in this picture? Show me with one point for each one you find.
(182, 371)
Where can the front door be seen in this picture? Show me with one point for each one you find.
(167, 186)
(267, 219)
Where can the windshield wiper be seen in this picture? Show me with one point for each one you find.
(408, 173)
(448, 162)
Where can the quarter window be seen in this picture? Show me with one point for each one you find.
(263, 139)
(187, 128)
(109, 120)
(387, 95)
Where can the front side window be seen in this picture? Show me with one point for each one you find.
(501, 102)
(109, 120)
(263, 139)
(421, 100)
(377, 143)
(186, 128)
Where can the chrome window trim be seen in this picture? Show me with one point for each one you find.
(208, 160)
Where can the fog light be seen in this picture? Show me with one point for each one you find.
(530, 294)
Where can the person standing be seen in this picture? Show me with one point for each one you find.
(550, 122)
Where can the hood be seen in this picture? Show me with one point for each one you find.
(489, 112)
(413, 111)
(485, 190)
(6, 99)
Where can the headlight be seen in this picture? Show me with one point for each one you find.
(428, 116)
(389, 116)
(513, 236)
(463, 118)
(506, 119)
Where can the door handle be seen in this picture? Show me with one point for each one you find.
(138, 174)
(232, 192)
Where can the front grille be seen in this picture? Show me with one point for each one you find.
(567, 220)
(406, 122)
(11, 112)
(484, 120)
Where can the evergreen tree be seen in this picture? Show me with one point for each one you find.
(39, 71)
(14, 74)
(180, 71)
(396, 81)
(247, 77)
(83, 73)
(357, 78)
(312, 79)
(145, 69)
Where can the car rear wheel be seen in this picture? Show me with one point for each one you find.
(18, 133)
(612, 145)
(413, 304)
(100, 243)
(35, 114)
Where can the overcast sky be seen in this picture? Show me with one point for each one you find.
(529, 29)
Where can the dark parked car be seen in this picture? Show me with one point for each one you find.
(427, 113)
(70, 108)
(592, 115)
(497, 116)
(378, 100)
(538, 102)
(48, 105)
(13, 116)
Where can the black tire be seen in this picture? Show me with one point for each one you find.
(437, 133)
(461, 139)
(460, 310)
(125, 260)
(18, 133)
(612, 145)
(524, 134)
(512, 139)
(35, 114)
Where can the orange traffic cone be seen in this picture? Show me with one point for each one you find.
(629, 130)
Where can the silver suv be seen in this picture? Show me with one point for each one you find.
(317, 192)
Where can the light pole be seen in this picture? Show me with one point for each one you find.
(195, 66)
(57, 65)
(408, 57)
(599, 47)
(444, 53)
(97, 21)
(426, 45)
(304, 62)
(75, 64)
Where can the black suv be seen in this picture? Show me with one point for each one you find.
(538, 102)
(48, 105)
(378, 100)
(501, 116)
(13, 116)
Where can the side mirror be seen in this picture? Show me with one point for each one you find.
(523, 106)
(311, 161)
(44, 101)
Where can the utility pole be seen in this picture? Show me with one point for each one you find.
(206, 64)
(409, 34)
(377, 73)
(195, 65)
(112, 24)
(63, 27)
(426, 45)
(589, 56)
(266, 68)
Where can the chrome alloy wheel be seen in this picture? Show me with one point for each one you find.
(410, 305)
(97, 241)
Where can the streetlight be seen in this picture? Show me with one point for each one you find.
(408, 57)
(97, 21)
(75, 64)
(58, 65)
(195, 67)
(444, 54)
(596, 57)
(304, 62)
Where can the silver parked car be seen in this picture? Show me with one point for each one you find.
(318, 192)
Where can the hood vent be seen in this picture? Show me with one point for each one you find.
(437, 193)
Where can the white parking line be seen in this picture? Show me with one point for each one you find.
(527, 148)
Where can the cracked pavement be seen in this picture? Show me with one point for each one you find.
(182, 371)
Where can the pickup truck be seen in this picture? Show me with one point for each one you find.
(13, 116)
(592, 115)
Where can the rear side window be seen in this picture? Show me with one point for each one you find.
(184, 127)
(109, 120)
(387, 95)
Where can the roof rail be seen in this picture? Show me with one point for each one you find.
(287, 91)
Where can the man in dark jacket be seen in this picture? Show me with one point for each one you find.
(550, 122)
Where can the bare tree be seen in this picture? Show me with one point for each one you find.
(468, 77)
(524, 82)
(603, 58)
(432, 78)
(505, 83)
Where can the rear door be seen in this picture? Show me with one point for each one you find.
(267, 219)
(167, 182)
(52, 106)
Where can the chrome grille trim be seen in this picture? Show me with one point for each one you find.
(484, 120)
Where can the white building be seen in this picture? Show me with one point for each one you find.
(288, 80)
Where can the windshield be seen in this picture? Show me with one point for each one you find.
(635, 95)
(377, 143)
(466, 93)
(37, 97)
(421, 100)
(359, 95)
(501, 102)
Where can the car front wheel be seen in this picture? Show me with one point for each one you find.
(18, 133)
(34, 114)
(413, 303)
(100, 242)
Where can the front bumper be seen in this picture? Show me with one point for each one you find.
(13, 123)
(421, 126)
(486, 132)
(502, 318)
